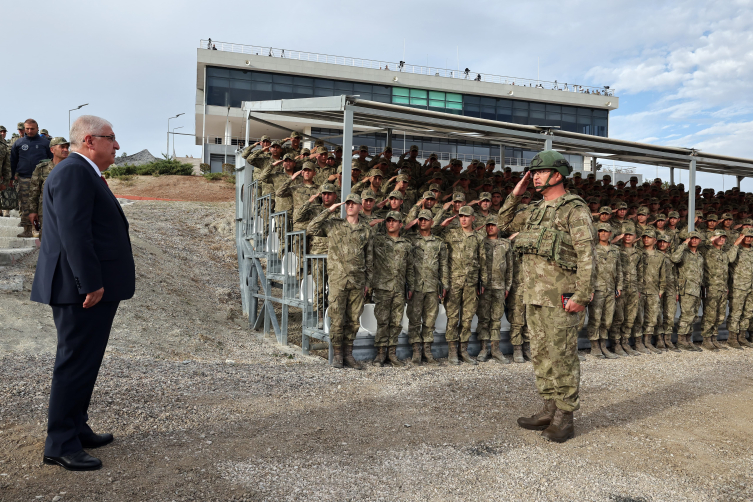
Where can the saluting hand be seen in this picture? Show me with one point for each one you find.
(512, 237)
(448, 220)
(314, 197)
(522, 186)
(333, 207)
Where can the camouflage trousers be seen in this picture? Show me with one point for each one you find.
(345, 309)
(491, 308)
(668, 312)
(23, 186)
(600, 315)
(688, 310)
(651, 311)
(388, 310)
(714, 312)
(319, 275)
(423, 309)
(516, 316)
(740, 310)
(554, 351)
(625, 312)
(460, 300)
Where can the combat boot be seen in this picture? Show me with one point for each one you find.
(693, 346)
(596, 350)
(416, 354)
(527, 351)
(732, 341)
(742, 340)
(661, 347)
(337, 356)
(627, 348)
(561, 429)
(649, 346)
(381, 357)
(668, 343)
(392, 355)
(464, 354)
(540, 420)
(497, 353)
(618, 348)
(707, 343)
(517, 354)
(349, 360)
(605, 350)
(716, 343)
(26, 232)
(483, 354)
(639, 345)
(428, 355)
(452, 353)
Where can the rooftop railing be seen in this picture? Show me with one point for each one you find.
(403, 67)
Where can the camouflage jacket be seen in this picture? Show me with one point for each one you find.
(632, 268)
(741, 270)
(466, 257)
(499, 263)
(544, 280)
(608, 268)
(716, 267)
(430, 266)
(4, 163)
(393, 264)
(36, 194)
(323, 174)
(261, 160)
(300, 194)
(689, 270)
(654, 272)
(289, 149)
(671, 282)
(415, 209)
(302, 219)
(416, 168)
(278, 179)
(521, 216)
(351, 257)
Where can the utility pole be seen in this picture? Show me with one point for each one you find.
(69, 117)
(168, 134)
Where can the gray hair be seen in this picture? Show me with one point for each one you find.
(87, 125)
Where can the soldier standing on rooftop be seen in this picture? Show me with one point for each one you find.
(557, 242)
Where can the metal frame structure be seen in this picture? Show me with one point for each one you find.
(257, 227)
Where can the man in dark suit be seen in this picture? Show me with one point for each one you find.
(85, 269)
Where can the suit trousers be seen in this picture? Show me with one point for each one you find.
(82, 339)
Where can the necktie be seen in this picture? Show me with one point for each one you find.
(103, 179)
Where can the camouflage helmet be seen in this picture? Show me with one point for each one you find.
(59, 141)
(550, 159)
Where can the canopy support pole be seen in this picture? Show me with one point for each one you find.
(347, 156)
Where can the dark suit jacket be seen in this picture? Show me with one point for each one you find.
(85, 244)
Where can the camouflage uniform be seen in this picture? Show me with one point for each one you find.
(652, 287)
(300, 194)
(516, 309)
(36, 195)
(741, 297)
(350, 263)
(626, 306)
(690, 277)
(275, 178)
(564, 224)
(468, 272)
(393, 272)
(669, 300)
(491, 303)
(5, 172)
(608, 281)
(431, 275)
(261, 160)
(715, 277)
(23, 188)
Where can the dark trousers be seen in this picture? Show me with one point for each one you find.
(82, 339)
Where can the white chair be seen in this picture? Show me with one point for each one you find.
(440, 326)
(308, 283)
(474, 324)
(272, 225)
(404, 322)
(368, 320)
(290, 264)
(273, 244)
(327, 321)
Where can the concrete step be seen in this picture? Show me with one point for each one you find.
(9, 222)
(10, 231)
(17, 242)
(11, 256)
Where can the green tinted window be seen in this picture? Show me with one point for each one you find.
(400, 91)
(454, 106)
(455, 98)
(436, 95)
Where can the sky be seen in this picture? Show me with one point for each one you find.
(682, 70)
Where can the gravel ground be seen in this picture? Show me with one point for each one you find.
(203, 409)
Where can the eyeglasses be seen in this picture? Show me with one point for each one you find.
(111, 137)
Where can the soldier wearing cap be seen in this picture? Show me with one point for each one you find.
(373, 180)
(393, 283)
(641, 224)
(59, 148)
(558, 287)
(271, 175)
(491, 303)
(427, 202)
(269, 153)
(413, 164)
(483, 212)
(326, 170)
(368, 203)
(21, 133)
(299, 188)
(451, 219)
(468, 278)
(689, 262)
(607, 289)
(362, 159)
(384, 156)
(668, 303)
(431, 280)
(619, 218)
(5, 172)
(741, 292)
(604, 216)
(653, 284)
(393, 202)
(350, 269)
(402, 185)
(295, 144)
(628, 303)
(727, 221)
(673, 218)
(463, 185)
(496, 200)
(716, 278)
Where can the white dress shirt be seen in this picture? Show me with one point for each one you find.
(96, 169)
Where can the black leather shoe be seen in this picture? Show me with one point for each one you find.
(95, 440)
(79, 461)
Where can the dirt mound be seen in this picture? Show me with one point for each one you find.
(185, 188)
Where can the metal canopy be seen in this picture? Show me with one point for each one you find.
(376, 115)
